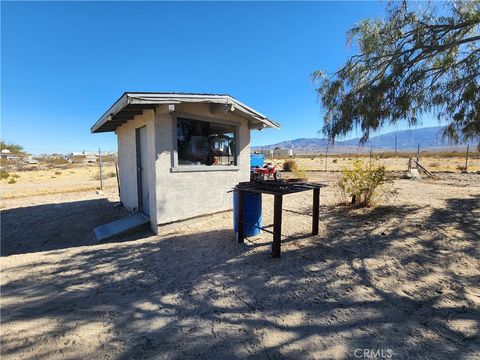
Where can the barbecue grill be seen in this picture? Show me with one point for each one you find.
(277, 188)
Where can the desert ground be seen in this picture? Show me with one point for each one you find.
(65, 178)
(433, 162)
(58, 179)
(401, 280)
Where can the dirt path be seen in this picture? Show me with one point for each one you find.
(402, 278)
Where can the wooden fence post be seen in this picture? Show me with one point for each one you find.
(326, 157)
(466, 159)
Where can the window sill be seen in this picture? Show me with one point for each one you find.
(203, 168)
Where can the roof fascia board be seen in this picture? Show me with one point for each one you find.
(173, 98)
(115, 108)
(138, 98)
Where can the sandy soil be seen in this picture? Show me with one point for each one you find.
(57, 180)
(404, 277)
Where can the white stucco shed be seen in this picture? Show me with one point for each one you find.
(180, 153)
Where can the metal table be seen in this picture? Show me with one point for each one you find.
(277, 189)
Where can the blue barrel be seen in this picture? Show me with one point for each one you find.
(256, 160)
(252, 213)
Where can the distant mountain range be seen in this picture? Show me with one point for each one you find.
(428, 138)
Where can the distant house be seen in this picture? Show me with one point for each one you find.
(5, 153)
(82, 157)
(179, 154)
(31, 160)
(8, 155)
(90, 159)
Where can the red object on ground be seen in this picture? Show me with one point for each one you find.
(268, 171)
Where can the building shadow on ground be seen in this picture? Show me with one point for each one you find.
(55, 226)
(204, 296)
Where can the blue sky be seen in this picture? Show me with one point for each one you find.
(64, 63)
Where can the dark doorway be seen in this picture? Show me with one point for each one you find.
(142, 175)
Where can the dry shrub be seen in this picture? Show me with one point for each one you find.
(4, 174)
(111, 174)
(434, 164)
(290, 165)
(54, 161)
(109, 158)
(300, 173)
(365, 183)
(461, 168)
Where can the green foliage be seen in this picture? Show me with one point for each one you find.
(111, 174)
(290, 165)
(415, 61)
(366, 183)
(58, 172)
(4, 174)
(12, 181)
(14, 148)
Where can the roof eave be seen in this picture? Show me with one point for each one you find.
(115, 108)
(169, 98)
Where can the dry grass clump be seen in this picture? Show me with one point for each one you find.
(53, 161)
(110, 174)
(12, 178)
(300, 174)
(4, 174)
(290, 165)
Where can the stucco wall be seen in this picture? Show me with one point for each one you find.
(127, 162)
(177, 195)
(182, 195)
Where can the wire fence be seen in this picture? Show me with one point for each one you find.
(461, 157)
(27, 175)
(365, 150)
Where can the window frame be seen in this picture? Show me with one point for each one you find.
(195, 168)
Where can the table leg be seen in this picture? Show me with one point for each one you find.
(316, 211)
(240, 217)
(277, 226)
